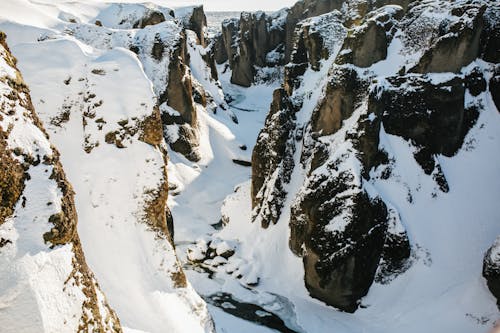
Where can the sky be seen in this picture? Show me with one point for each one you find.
(232, 5)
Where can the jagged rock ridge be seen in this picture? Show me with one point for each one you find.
(347, 232)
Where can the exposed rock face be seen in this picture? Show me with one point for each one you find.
(151, 18)
(491, 269)
(119, 141)
(260, 40)
(226, 43)
(490, 39)
(272, 159)
(179, 89)
(436, 112)
(198, 23)
(22, 171)
(162, 47)
(458, 43)
(168, 66)
(339, 102)
(347, 233)
(367, 44)
(495, 88)
(302, 10)
(258, 35)
(316, 39)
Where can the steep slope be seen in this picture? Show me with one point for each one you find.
(103, 107)
(370, 190)
(345, 222)
(46, 285)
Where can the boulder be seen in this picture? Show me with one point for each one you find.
(491, 269)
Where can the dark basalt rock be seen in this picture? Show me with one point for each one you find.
(12, 177)
(341, 97)
(257, 37)
(219, 49)
(368, 43)
(272, 150)
(457, 47)
(347, 237)
(340, 266)
(158, 49)
(309, 44)
(179, 90)
(210, 59)
(197, 23)
(475, 82)
(302, 10)
(227, 42)
(429, 115)
(495, 88)
(151, 18)
(179, 96)
(491, 270)
(490, 38)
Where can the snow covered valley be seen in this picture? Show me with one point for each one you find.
(331, 167)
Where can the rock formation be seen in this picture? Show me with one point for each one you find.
(32, 177)
(347, 233)
(113, 147)
(491, 270)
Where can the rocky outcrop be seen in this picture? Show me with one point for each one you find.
(495, 88)
(258, 36)
(458, 43)
(226, 43)
(198, 22)
(22, 164)
(367, 44)
(316, 39)
(347, 233)
(341, 97)
(272, 160)
(151, 17)
(178, 94)
(491, 269)
(490, 38)
(260, 40)
(300, 11)
(436, 111)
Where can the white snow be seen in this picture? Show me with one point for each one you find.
(133, 265)
(37, 292)
(109, 89)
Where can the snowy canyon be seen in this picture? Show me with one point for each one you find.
(328, 167)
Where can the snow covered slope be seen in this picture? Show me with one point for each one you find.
(97, 99)
(373, 179)
(45, 283)
(374, 167)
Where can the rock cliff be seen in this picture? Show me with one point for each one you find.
(38, 226)
(378, 68)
